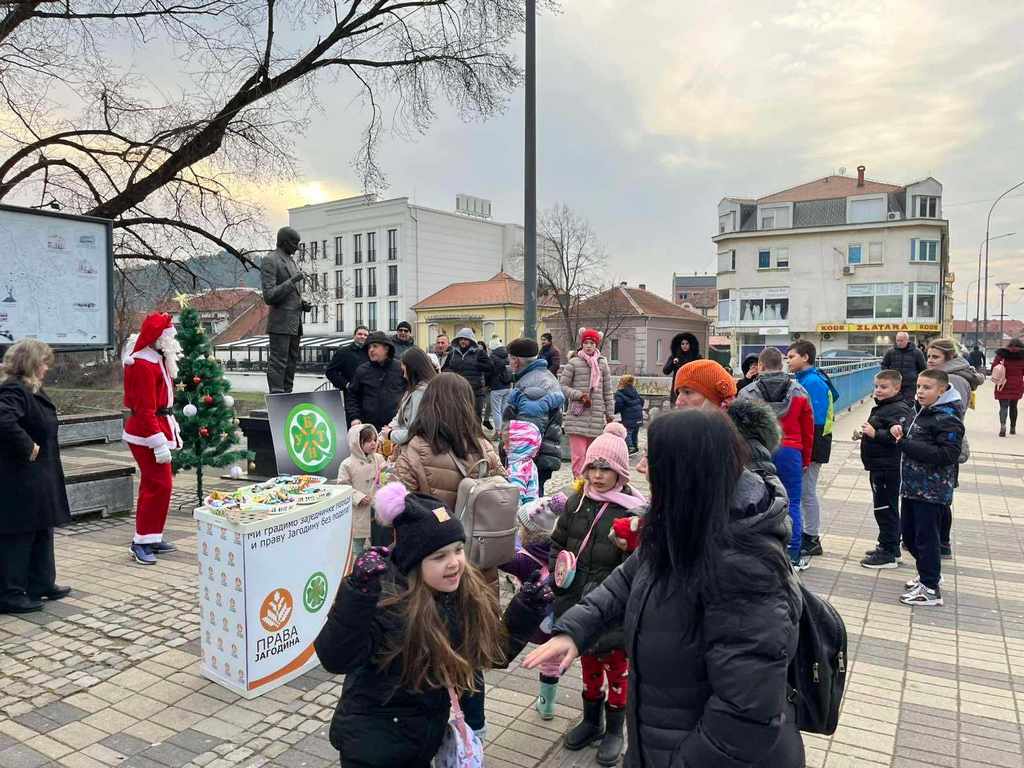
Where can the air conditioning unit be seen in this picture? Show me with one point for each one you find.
(895, 216)
(826, 337)
(849, 270)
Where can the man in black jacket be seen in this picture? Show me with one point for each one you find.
(908, 360)
(881, 458)
(403, 339)
(472, 363)
(549, 353)
(347, 359)
(377, 387)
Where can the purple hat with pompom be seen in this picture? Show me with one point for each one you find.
(422, 524)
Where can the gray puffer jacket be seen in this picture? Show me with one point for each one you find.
(964, 380)
(707, 678)
(575, 380)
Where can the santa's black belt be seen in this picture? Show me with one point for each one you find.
(158, 412)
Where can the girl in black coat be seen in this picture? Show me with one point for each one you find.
(710, 607)
(412, 630)
(32, 480)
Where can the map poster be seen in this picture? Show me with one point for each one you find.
(309, 432)
(56, 279)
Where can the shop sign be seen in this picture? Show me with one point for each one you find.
(877, 327)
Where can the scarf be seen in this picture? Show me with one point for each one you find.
(595, 369)
(616, 495)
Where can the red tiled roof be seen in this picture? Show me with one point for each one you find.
(1010, 327)
(216, 300)
(635, 302)
(252, 322)
(827, 188)
(500, 289)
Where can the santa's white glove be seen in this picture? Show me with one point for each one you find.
(162, 455)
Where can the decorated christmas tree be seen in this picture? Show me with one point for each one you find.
(202, 405)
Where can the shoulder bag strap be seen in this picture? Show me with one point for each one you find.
(593, 525)
(481, 473)
(460, 722)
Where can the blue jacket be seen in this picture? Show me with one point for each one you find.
(629, 405)
(931, 448)
(823, 396)
(537, 397)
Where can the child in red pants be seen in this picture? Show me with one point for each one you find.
(583, 528)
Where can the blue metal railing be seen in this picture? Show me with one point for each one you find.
(854, 378)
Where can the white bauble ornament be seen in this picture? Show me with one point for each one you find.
(190, 410)
(235, 471)
(229, 401)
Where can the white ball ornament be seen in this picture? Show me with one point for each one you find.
(190, 410)
(229, 401)
(235, 472)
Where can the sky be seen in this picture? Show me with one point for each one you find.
(648, 117)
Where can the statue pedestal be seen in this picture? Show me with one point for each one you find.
(256, 428)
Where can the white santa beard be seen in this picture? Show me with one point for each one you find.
(168, 346)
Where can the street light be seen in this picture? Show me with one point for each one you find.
(1002, 298)
(530, 174)
(977, 304)
(988, 223)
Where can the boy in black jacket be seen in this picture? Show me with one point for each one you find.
(930, 449)
(881, 459)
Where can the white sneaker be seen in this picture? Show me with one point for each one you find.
(914, 582)
(922, 596)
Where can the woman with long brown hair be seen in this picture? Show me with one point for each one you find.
(418, 372)
(412, 629)
(35, 500)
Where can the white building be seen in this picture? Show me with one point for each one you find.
(370, 261)
(842, 262)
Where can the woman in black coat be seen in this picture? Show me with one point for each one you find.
(32, 480)
(685, 349)
(710, 608)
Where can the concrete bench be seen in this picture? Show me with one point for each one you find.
(82, 428)
(107, 491)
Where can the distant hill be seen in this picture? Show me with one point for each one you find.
(152, 282)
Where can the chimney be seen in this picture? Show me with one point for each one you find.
(860, 175)
(643, 286)
(623, 284)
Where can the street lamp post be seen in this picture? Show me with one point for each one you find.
(1002, 301)
(530, 174)
(977, 303)
(988, 223)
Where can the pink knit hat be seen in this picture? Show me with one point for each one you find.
(610, 448)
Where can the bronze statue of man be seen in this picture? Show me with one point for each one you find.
(281, 279)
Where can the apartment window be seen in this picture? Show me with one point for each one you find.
(393, 280)
(878, 301)
(875, 251)
(359, 315)
(314, 314)
(921, 300)
(371, 281)
(764, 259)
(727, 261)
(357, 279)
(316, 281)
(338, 261)
(764, 310)
(724, 307)
(657, 350)
(313, 246)
(392, 244)
(323, 249)
(302, 251)
(864, 210)
(339, 318)
(854, 253)
(392, 315)
(768, 222)
(371, 315)
(357, 249)
(371, 246)
(926, 207)
(781, 258)
(339, 285)
(615, 350)
(721, 227)
(324, 284)
(924, 250)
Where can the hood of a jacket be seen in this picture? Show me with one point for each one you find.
(949, 397)
(523, 440)
(677, 341)
(353, 440)
(500, 354)
(756, 421)
(960, 367)
(537, 376)
(778, 391)
(1011, 353)
(760, 505)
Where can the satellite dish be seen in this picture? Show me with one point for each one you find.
(842, 170)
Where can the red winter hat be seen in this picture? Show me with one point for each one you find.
(152, 327)
(589, 334)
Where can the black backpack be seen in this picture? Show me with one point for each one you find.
(817, 674)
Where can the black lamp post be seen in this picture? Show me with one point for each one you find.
(530, 177)
(988, 222)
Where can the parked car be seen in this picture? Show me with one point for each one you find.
(843, 354)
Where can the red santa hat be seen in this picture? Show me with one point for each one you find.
(152, 328)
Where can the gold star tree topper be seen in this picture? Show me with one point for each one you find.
(183, 300)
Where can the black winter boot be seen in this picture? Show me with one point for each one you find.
(590, 729)
(610, 749)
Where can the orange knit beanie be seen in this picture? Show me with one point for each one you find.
(707, 377)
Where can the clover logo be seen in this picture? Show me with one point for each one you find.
(315, 594)
(276, 610)
(311, 437)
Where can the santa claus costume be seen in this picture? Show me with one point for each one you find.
(150, 367)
